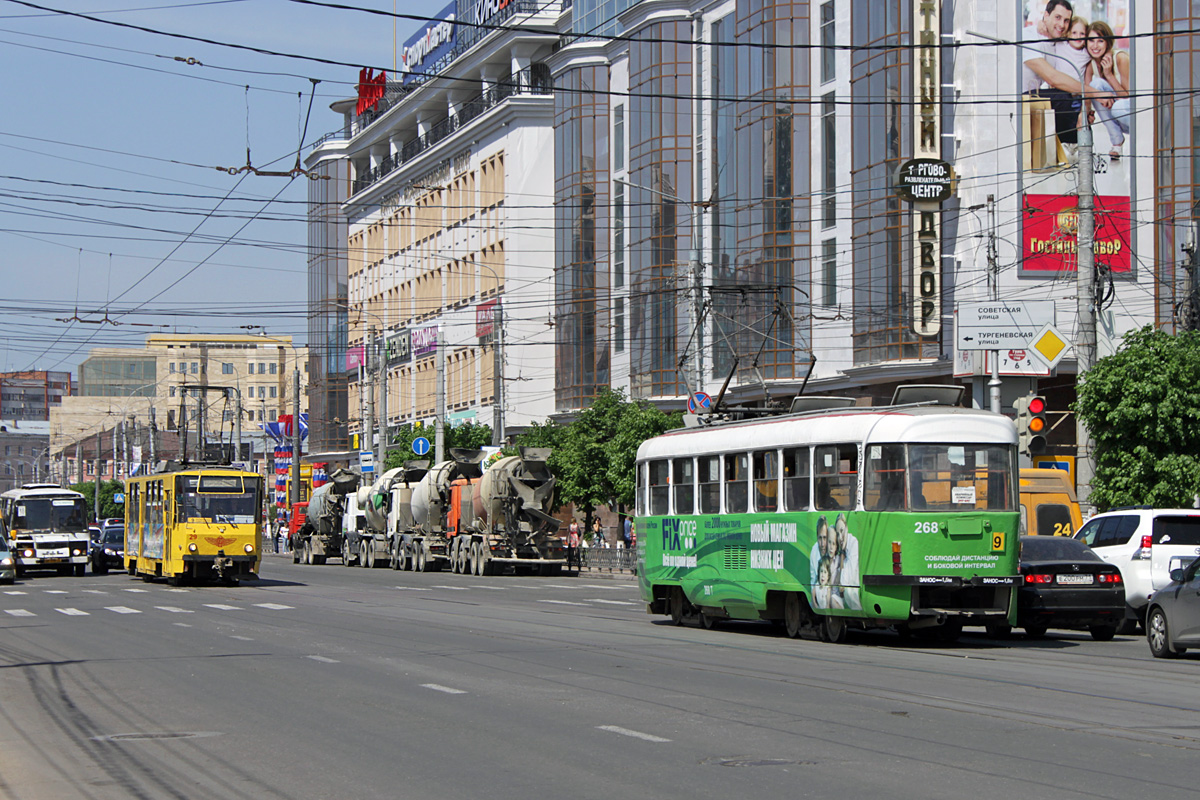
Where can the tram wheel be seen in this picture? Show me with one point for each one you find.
(833, 629)
(793, 616)
(678, 605)
(708, 622)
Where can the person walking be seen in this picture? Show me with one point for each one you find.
(573, 545)
(627, 535)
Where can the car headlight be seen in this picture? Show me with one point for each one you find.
(6, 562)
(192, 547)
(109, 552)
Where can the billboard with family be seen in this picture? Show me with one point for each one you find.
(1075, 70)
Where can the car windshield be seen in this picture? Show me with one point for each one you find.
(1055, 548)
(114, 536)
(50, 514)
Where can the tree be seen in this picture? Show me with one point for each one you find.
(108, 489)
(469, 435)
(1142, 408)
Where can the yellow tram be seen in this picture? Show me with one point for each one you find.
(194, 524)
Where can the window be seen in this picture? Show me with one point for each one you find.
(709, 472)
(828, 54)
(685, 489)
(659, 488)
(829, 151)
(836, 473)
(795, 478)
(226, 368)
(172, 367)
(619, 326)
(272, 391)
(172, 391)
(960, 477)
(737, 489)
(183, 366)
(883, 489)
(829, 273)
(274, 415)
(619, 234)
(195, 368)
(274, 367)
(766, 481)
(619, 138)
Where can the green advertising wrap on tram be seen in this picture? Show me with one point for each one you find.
(903, 517)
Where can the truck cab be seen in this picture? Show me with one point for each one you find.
(1048, 504)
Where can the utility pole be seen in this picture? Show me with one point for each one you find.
(497, 377)
(153, 454)
(1085, 289)
(994, 283)
(78, 463)
(125, 444)
(368, 430)
(296, 435)
(96, 477)
(237, 426)
(439, 422)
(383, 403)
(1191, 317)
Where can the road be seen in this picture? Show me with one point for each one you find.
(325, 682)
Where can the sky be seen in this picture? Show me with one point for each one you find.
(116, 220)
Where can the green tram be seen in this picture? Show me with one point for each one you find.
(902, 516)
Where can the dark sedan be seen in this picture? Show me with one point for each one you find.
(109, 551)
(1066, 585)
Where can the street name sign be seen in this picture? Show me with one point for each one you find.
(1002, 325)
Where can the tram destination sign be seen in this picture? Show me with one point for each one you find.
(925, 180)
(1002, 324)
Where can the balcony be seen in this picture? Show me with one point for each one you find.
(535, 80)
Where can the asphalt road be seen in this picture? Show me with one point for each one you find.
(328, 682)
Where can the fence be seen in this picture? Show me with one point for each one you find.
(604, 559)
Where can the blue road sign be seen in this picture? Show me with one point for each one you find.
(698, 402)
(420, 445)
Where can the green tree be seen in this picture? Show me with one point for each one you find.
(1142, 408)
(108, 489)
(470, 435)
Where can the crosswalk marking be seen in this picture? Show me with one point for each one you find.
(139, 591)
(55, 591)
(222, 607)
(324, 660)
(72, 612)
(20, 612)
(242, 638)
(185, 591)
(15, 591)
(647, 737)
(123, 609)
(93, 591)
(437, 687)
(273, 606)
(175, 609)
(181, 625)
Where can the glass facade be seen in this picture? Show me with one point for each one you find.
(328, 382)
(1177, 154)
(760, 229)
(105, 376)
(881, 92)
(598, 16)
(581, 212)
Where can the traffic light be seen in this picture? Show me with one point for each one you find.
(1031, 423)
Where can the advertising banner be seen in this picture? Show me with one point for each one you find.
(430, 50)
(1076, 69)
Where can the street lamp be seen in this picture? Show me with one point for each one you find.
(696, 269)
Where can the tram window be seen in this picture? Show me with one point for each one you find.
(737, 490)
(641, 491)
(766, 481)
(883, 488)
(836, 474)
(709, 472)
(660, 487)
(795, 479)
(684, 483)
(961, 477)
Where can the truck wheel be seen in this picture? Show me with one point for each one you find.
(419, 558)
(370, 553)
(345, 554)
(397, 556)
(454, 548)
(475, 560)
(308, 556)
(362, 554)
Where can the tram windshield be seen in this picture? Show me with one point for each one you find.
(58, 514)
(221, 499)
(958, 477)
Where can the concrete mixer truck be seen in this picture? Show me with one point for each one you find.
(424, 544)
(386, 506)
(321, 535)
(503, 519)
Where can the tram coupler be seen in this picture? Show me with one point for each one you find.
(221, 564)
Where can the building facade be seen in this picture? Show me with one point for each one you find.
(29, 395)
(24, 453)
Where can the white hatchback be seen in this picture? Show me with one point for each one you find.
(1145, 544)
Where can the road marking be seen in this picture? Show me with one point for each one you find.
(647, 737)
(185, 591)
(612, 602)
(19, 612)
(273, 606)
(242, 638)
(181, 625)
(93, 591)
(139, 591)
(174, 609)
(123, 609)
(222, 607)
(562, 602)
(72, 612)
(415, 588)
(437, 687)
(483, 586)
(54, 591)
(15, 591)
(452, 588)
(324, 660)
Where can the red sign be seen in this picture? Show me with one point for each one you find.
(1016, 355)
(485, 318)
(370, 89)
(1049, 240)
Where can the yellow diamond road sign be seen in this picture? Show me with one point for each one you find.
(1050, 345)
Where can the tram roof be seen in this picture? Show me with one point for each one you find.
(930, 424)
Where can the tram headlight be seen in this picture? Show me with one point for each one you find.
(192, 547)
(249, 549)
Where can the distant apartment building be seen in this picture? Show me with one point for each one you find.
(24, 448)
(29, 395)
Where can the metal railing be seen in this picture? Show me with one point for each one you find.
(533, 80)
(606, 559)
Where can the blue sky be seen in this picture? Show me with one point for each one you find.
(140, 136)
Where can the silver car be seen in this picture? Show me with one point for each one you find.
(1173, 615)
(8, 566)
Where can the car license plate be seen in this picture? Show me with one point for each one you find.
(57, 553)
(1077, 580)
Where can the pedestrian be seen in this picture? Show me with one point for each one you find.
(627, 535)
(573, 545)
(632, 536)
(598, 533)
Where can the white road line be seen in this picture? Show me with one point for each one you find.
(185, 591)
(54, 591)
(324, 660)
(437, 687)
(482, 586)
(647, 737)
(123, 609)
(181, 625)
(222, 607)
(19, 612)
(93, 591)
(273, 606)
(453, 588)
(139, 591)
(612, 602)
(415, 588)
(175, 609)
(562, 602)
(242, 638)
(15, 591)
(72, 612)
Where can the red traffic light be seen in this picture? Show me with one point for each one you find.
(1037, 405)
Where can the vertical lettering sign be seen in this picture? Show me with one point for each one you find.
(927, 143)
(424, 341)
